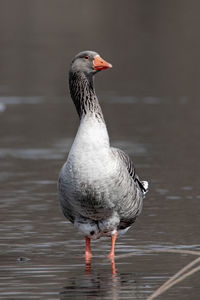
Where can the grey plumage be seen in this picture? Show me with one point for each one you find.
(99, 190)
(130, 167)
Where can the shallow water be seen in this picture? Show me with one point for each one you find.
(42, 255)
(155, 121)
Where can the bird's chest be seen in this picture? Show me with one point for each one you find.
(90, 159)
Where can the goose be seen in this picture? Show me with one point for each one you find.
(99, 191)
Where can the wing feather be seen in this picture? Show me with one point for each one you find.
(131, 169)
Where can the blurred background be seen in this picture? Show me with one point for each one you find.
(150, 100)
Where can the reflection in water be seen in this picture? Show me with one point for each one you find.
(88, 265)
(114, 270)
(100, 286)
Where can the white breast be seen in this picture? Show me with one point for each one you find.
(90, 154)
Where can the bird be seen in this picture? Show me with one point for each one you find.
(99, 190)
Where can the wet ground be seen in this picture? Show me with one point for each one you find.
(153, 115)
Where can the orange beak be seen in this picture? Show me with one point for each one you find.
(100, 64)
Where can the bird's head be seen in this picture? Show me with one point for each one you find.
(88, 62)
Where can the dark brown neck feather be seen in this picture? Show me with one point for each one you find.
(83, 95)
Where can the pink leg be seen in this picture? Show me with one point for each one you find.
(88, 253)
(112, 250)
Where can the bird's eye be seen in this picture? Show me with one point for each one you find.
(86, 57)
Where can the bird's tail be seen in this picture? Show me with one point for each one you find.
(145, 185)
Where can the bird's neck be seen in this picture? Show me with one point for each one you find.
(83, 95)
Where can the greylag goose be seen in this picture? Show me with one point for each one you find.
(98, 188)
